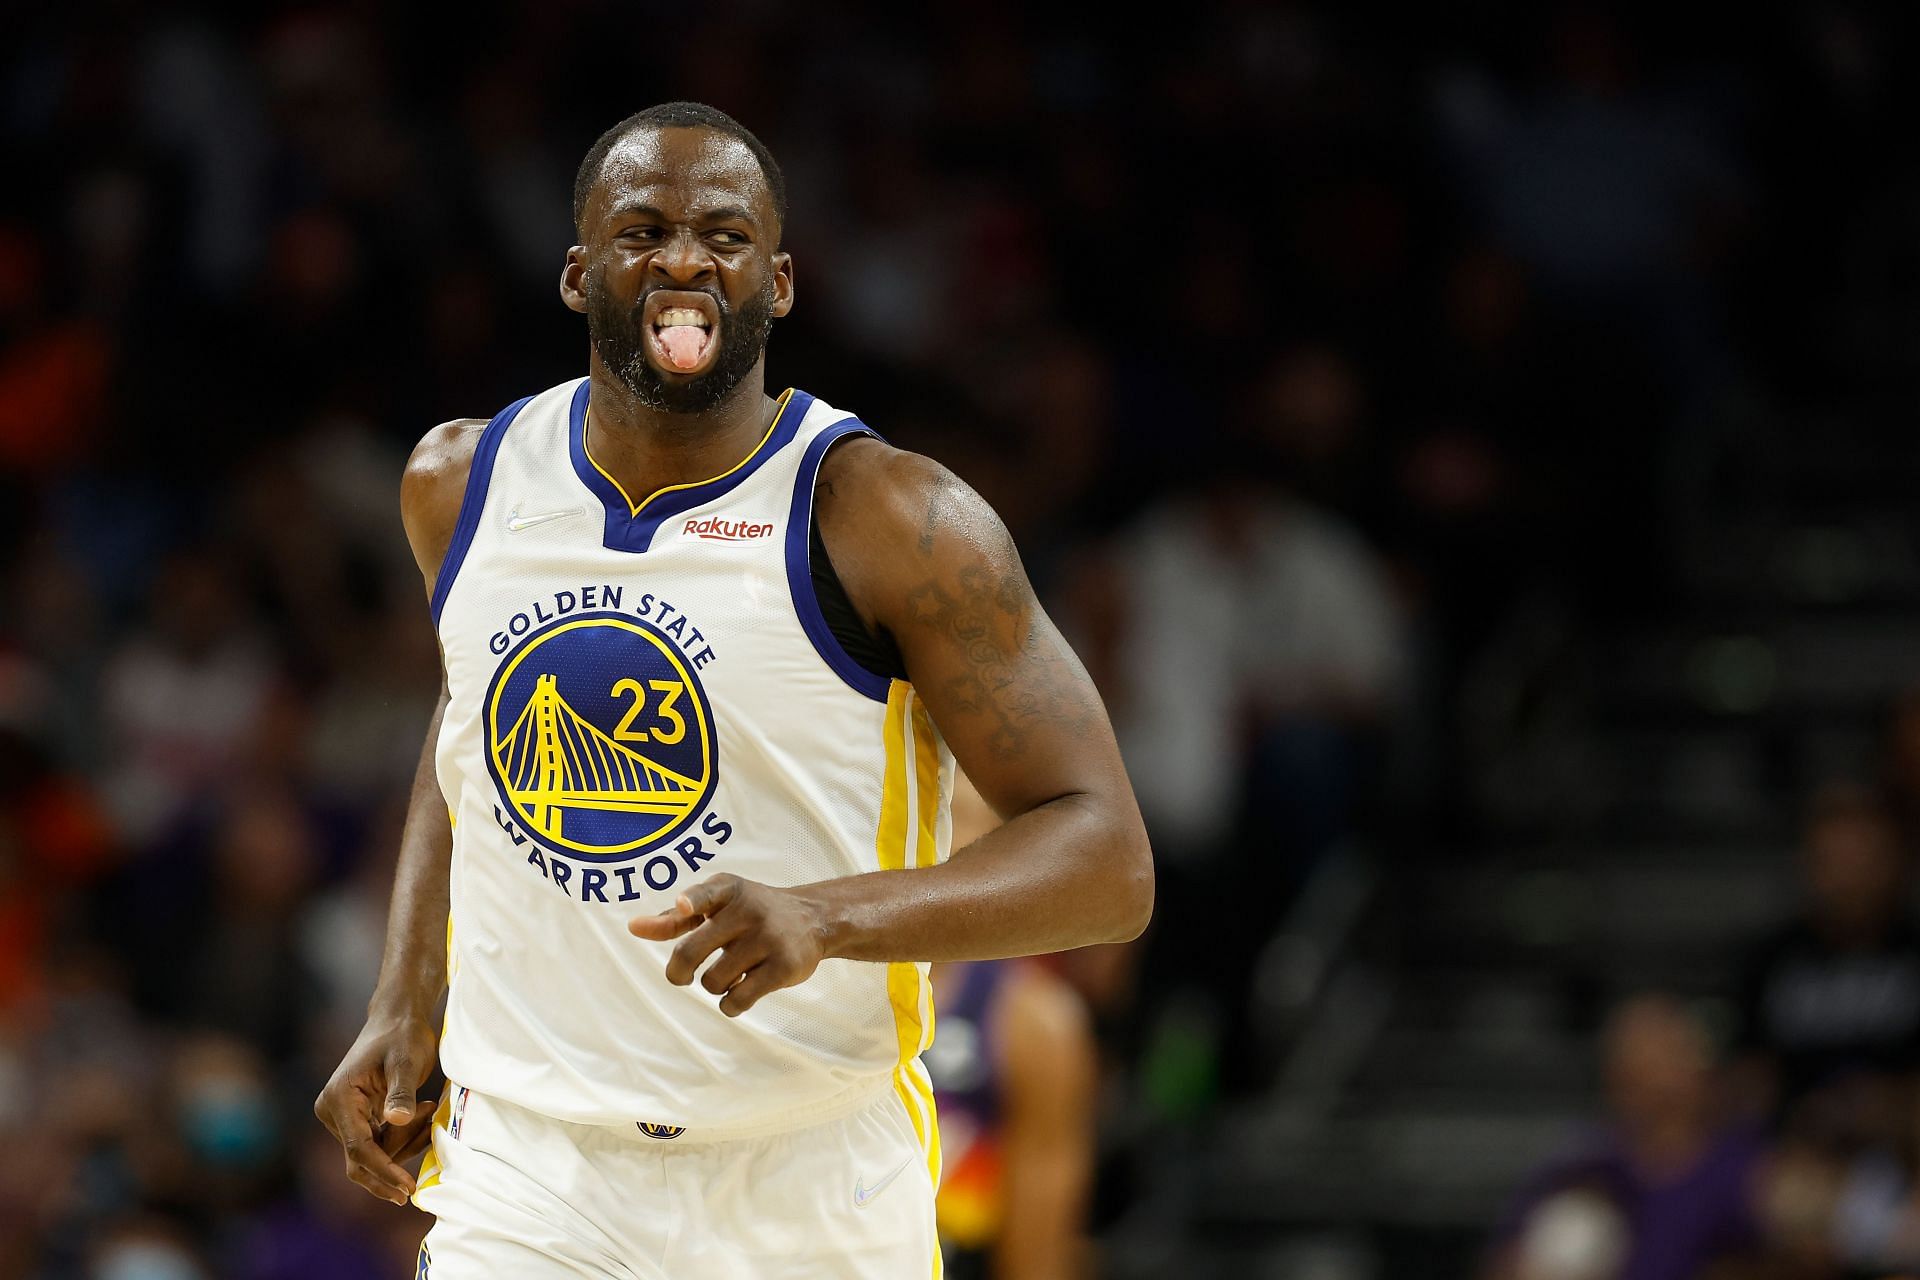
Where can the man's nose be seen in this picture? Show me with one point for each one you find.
(683, 259)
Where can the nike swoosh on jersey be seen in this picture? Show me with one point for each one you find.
(863, 1193)
(516, 522)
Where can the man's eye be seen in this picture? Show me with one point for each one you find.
(729, 237)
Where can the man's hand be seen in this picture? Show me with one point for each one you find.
(767, 939)
(370, 1106)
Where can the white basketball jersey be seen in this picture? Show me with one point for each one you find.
(640, 698)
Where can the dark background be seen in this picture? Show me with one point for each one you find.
(1473, 452)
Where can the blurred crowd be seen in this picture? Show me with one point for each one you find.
(1784, 1145)
(1298, 349)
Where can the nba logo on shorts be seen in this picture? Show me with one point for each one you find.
(665, 1132)
(458, 1115)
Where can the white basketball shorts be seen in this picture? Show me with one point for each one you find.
(848, 1194)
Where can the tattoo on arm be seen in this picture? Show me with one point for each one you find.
(1013, 675)
(927, 526)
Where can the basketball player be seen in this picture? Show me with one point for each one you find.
(710, 657)
(1015, 1074)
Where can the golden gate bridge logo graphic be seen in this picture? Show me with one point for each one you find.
(620, 786)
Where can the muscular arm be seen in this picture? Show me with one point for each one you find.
(923, 557)
(413, 969)
(369, 1103)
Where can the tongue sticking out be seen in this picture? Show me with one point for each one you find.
(684, 344)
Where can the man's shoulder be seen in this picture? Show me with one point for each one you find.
(446, 449)
(443, 457)
(897, 499)
(872, 468)
(898, 525)
(433, 485)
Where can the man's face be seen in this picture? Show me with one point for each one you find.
(679, 275)
(1658, 1062)
(1854, 871)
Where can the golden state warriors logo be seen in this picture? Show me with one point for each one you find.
(599, 737)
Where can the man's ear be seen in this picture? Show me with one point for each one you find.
(573, 285)
(782, 284)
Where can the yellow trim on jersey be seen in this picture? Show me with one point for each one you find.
(430, 1163)
(926, 763)
(915, 1089)
(890, 843)
(634, 509)
(908, 991)
(926, 806)
(903, 978)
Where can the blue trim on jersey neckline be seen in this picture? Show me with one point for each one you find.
(625, 531)
(472, 501)
(800, 574)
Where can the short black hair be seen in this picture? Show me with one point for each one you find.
(676, 115)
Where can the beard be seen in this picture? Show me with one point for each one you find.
(619, 335)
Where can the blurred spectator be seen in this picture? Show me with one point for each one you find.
(1900, 769)
(144, 1248)
(1602, 184)
(55, 368)
(241, 970)
(1015, 1082)
(1259, 653)
(1831, 1004)
(1252, 615)
(328, 1230)
(179, 695)
(1665, 1191)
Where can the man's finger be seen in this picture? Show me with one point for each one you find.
(403, 1142)
(401, 1080)
(365, 1153)
(372, 1186)
(664, 927)
(698, 945)
(747, 992)
(345, 1108)
(710, 895)
(732, 963)
(702, 902)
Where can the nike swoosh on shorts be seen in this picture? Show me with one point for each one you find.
(863, 1193)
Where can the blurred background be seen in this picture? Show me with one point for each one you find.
(1472, 450)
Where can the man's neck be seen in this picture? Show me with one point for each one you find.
(646, 450)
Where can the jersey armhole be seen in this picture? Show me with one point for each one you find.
(806, 604)
(479, 475)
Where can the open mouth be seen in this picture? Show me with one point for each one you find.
(680, 330)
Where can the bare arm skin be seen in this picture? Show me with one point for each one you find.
(923, 557)
(369, 1104)
(1050, 1077)
(1049, 1070)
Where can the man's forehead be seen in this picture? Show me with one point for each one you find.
(694, 166)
